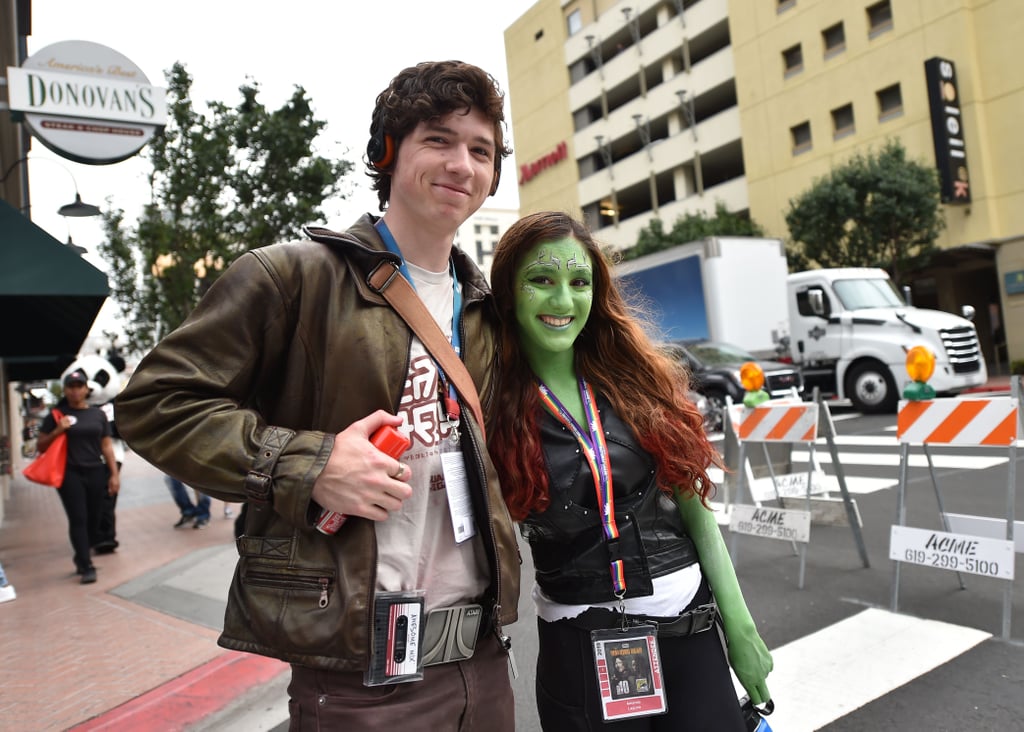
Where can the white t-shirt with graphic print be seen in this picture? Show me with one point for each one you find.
(416, 545)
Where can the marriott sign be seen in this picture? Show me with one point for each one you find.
(86, 102)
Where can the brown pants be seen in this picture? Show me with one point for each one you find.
(464, 696)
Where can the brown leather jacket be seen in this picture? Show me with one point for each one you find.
(242, 402)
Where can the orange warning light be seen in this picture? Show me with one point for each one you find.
(751, 376)
(920, 363)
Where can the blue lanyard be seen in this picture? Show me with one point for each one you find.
(451, 401)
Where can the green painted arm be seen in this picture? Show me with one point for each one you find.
(748, 655)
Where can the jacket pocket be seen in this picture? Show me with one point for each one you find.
(300, 583)
(295, 609)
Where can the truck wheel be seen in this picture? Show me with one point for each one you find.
(871, 389)
(715, 419)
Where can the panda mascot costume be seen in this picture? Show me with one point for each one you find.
(105, 381)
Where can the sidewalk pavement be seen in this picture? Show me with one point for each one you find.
(999, 383)
(136, 650)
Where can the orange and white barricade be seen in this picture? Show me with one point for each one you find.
(781, 421)
(966, 545)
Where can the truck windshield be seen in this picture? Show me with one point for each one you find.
(868, 293)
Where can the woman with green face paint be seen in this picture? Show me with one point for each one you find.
(604, 464)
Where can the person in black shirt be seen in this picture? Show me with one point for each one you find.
(91, 471)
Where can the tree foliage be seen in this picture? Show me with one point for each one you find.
(222, 183)
(875, 211)
(692, 226)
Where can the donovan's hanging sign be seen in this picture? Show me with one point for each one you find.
(86, 102)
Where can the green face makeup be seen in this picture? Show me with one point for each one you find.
(554, 292)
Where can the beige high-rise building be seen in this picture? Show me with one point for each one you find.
(626, 111)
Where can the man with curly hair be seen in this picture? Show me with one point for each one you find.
(270, 392)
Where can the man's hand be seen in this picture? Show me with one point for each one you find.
(359, 479)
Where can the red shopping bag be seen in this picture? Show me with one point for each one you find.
(48, 468)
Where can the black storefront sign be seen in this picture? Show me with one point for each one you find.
(948, 130)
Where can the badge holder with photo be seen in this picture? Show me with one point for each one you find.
(629, 673)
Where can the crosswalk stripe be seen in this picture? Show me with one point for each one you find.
(915, 460)
(826, 675)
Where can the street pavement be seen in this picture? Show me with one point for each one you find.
(137, 650)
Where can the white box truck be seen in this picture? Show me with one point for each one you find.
(730, 289)
(851, 330)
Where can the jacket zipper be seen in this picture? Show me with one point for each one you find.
(295, 582)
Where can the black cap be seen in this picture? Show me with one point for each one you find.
(76, 377)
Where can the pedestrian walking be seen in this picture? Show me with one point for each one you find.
(7, 592)
(196, 514)
(91, 472)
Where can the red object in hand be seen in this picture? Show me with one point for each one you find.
(389, 441)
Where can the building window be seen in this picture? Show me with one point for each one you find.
(834, 39)
(842, 121)
(879, 18)
(574, 22)
(801, 137)
(783, 5)
(792, 61)
(890, 102)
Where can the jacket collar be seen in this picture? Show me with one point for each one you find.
(363, 244)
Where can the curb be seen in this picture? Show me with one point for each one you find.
(190, 698)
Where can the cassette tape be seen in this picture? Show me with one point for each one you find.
(395, 649)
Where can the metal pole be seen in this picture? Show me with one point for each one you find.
(734, 550)
(851, 515)
(938, 500)
(775, 485)
(901, 517)
(1011, 509)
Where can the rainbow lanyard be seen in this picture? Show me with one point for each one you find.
(595, 449)
(451, 401)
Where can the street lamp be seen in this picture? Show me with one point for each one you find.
(686, 105)
(633, 22)
(606, 154)
(643, 128)
(77, 208)
(594, 44)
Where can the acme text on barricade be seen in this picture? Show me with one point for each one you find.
(957, 552)
(771, 523)
(792, 485)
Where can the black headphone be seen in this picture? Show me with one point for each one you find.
(380, 151)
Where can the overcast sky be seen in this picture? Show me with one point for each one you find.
(342, 53)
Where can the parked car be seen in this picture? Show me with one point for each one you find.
(715, 368)
(701, 402)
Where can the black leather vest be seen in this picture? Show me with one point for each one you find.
(570, 554)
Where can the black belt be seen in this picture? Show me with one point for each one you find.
(691, 622)
(695, 621)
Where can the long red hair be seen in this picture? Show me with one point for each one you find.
(647, 388)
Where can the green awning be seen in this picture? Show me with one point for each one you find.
(49, 298)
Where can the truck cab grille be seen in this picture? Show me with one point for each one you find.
(962, 349)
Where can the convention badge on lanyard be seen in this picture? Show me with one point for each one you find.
(629, 674)
(453, 465)
(629, 678)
